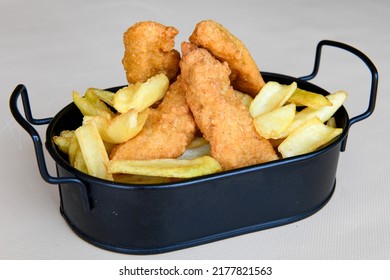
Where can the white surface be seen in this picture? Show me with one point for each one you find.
(54, 47)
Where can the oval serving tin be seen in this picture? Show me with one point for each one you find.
(157, 218)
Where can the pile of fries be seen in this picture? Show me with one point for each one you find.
(113, 118)
(275, 116)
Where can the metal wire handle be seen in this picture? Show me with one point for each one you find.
(27, 122)
(365, 59)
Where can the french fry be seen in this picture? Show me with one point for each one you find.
(332, 122)
(79, 162)
(270, 97)
(326, 112)
(93, 150)
(308, 99)
(140, 96)
(323, 113)
(197, 141)
(63, 140)
(125, 126)
(175, 168)
(272, 124)
(108, 146)
(121, 128)
(307, 138)
(197, 148)
(246, 99)
(74, 148)
(104, 95)
(94, 99)
(90, 108)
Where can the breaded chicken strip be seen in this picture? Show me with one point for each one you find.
(220, 115)
(149, 50)
(166, 133)
(245, 75)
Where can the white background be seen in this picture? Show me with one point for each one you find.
(54, 47)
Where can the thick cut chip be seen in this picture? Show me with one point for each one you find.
(332, 122)
(95, 101)
(175, 168)
(272, 124)
(197, 142)
(63, 140)
(104, 95)
(270, 97)
(140, 96)
(79, 162)
(308, 99)
(121, 128)
(246, 99)
(91, 107)
(74, 148)
(197, 148)
(125, 126)
(324, 113)
(93, 150)
(67, 143)
(307, 138)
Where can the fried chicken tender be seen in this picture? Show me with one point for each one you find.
(167, 131)
(149, 50)
(220, 115)
(245, 75)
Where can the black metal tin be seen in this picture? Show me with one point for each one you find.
(149, 219)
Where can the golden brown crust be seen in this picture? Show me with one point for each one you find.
(149, 50)
(223, 45)
(222, 118)
(167, 131)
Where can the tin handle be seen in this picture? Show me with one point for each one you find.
(27, 122)
(365, 59)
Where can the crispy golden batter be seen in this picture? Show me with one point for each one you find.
(220, 115)
(245, 75)
(149, 50)
(166, 133)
